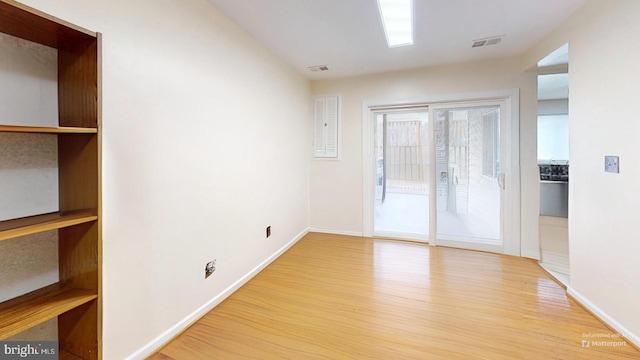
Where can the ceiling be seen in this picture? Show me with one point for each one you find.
(347, 35)
(559, 56)
(554, 86)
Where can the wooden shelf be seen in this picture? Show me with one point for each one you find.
(27, 23)
(67, 356)
(24, 312)
(35, 224)
(48, 130)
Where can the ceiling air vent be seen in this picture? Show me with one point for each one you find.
(486, 42)
(318, 68)
(479, 43)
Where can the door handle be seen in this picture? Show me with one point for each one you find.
(501, 181)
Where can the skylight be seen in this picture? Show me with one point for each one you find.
(397, 20)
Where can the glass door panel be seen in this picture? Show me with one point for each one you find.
(402, 159)
(467, 161)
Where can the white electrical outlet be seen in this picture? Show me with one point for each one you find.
(612, 164)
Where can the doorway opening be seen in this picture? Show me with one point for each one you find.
(553, 162)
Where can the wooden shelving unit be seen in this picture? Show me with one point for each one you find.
(76, 299)
(66, 356)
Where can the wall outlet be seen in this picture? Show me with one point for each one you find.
(612, 164)
(268, 230)
(209, 268)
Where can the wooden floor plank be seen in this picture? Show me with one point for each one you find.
(338, 297)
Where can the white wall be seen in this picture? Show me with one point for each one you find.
(553, 138)
(553, 130)
(336, 186)
(603, 207)
(206, 141)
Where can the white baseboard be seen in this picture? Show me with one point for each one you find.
(336, 232)
(626, 333)
(155, 344)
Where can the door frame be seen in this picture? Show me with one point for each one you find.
(511, 228)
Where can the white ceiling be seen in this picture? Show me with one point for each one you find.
(559, 56)
(347, 35)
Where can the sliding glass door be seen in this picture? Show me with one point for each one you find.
(469, 178)
(440, 174)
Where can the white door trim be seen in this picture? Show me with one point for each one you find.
(512, 99)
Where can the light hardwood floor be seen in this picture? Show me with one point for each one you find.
(338, 297)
